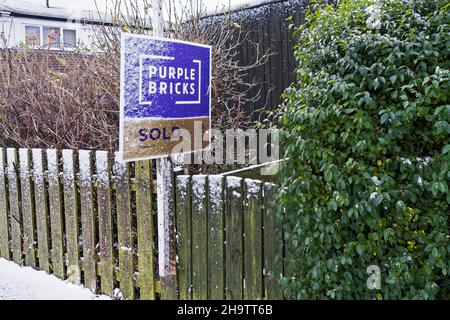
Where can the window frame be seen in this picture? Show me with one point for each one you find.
(63, 39)
(45, 44)
(42, 43)
(39, 44)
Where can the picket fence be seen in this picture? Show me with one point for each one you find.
(88, 218)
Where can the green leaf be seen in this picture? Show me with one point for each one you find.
(359, 249)
(446, 149)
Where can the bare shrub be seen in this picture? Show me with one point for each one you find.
(71, 100)
(57, 100)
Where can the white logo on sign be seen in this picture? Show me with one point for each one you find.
(155, 57)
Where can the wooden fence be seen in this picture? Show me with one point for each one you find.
(268, 25)
(229, 242)
(86, 217)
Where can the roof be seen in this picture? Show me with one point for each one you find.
(40, 10)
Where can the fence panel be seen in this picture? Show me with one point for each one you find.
(241, 242)
(266, 25)
(94, 222)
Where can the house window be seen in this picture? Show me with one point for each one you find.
(33, 36)
(52, 37)
(69, 38)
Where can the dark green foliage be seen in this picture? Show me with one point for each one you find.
(368, 129)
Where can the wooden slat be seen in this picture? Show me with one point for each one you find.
(278, 44)
(273, 245)
(183, 220)
(40, 196)
(199, 238)
(56, 218)
(267, 67)
(27, 208)
(4, 205)
(234, 242)
(253, 246)
(124, 226)
(87, 219)
(71, 216)
(145, 230)
(273, 63)
(216, 239)
(14, 206)
(105, 222)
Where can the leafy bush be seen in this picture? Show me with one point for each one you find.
(367, 134)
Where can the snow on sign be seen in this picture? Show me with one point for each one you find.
(165, 86)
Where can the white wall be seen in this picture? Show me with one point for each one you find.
(13, 29)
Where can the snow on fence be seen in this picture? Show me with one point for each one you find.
(229, 242)
(90, 219)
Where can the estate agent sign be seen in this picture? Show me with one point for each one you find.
(165, 86)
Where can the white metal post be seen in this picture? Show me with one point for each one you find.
(164, 189)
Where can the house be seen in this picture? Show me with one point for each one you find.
(40, 24)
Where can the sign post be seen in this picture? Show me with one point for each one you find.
(165, 90)
(164, 170)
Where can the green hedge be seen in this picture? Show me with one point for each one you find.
(367, 135)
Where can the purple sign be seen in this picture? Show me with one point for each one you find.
(165, 88)
(165, 78)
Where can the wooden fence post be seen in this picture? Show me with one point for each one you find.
(14, 206)
(216, 238)
(56, 219)
(234, 243)
(40, 197)
(199, 238)
(253, 242)
(166, 229)
(124, 227)
(27, 208)
(87, 220)
(4, 219)
(71, 216)
(184, 232)
(105, 230)
(145, 230)
(273, 245)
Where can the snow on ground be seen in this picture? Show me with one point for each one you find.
(25, 283)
